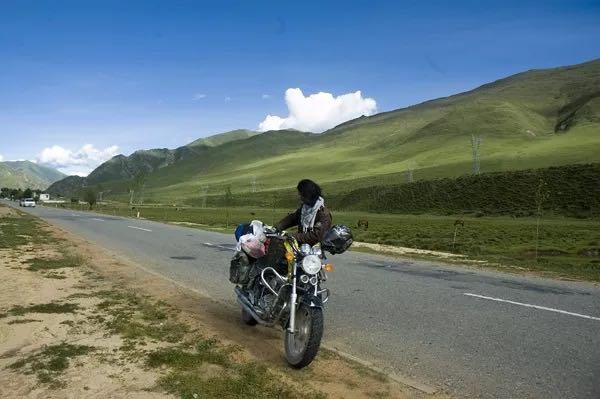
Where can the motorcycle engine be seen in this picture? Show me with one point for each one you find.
(266, 302)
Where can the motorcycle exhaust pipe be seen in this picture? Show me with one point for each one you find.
(245, 303)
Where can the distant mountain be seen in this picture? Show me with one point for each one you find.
(123, 167)
(534, 119)
(26, 174)
(70, 186)
(145, 162)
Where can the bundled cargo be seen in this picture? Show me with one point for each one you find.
(251, 245)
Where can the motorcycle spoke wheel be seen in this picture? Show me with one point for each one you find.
(302, 346)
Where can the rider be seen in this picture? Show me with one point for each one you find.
(312, 218)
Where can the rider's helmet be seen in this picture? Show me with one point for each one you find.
(337, 240)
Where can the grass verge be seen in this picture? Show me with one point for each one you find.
(65, 261)
(51, 362)
(197, 367)
(22, 229)
(52, 307)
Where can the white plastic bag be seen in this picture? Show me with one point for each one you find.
(253, 244)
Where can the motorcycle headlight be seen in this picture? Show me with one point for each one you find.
(311, 264)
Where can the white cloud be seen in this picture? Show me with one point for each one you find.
(199, 96)
(80, 162)
(1, 158)
(266, 96)
(319, 112)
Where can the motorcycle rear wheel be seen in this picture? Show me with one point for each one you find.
(302, 346)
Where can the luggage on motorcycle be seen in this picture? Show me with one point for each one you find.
(253, 239)
(256, 227)
(242, 229)
(275, 256)
(239, 269)
(252, 246)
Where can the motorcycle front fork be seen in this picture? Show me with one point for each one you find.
(293, 299)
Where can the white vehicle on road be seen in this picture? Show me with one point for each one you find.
(27, 202)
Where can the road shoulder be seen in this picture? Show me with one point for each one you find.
(81, 321)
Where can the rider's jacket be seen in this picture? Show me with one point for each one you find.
(312, 236)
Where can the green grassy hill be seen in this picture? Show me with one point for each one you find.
(26, 174)
(534, 119)
(70, 186)
(122, 168)
(222, 138)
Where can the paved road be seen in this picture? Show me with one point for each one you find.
(472, 333)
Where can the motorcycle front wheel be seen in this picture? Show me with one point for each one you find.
(302, 346)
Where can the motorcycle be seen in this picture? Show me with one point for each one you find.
(291, 294)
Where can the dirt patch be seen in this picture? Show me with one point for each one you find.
(390, 249)
(6, 212)
(187, 224)
(49, 346)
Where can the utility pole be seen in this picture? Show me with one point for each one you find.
(131, 196)
(475, 145)
(409, 175)
(203, 192)
(409, 172)
(142, 193)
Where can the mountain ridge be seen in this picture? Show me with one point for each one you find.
(27, 174)
(148, 161)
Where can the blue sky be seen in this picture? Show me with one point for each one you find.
(143, 74)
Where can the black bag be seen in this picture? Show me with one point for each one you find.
(239, 269)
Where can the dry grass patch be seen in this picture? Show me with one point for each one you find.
(49, 363)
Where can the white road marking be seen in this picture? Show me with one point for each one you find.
(533, 306)
(219, 246)
(98, 219)
(139, 228)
